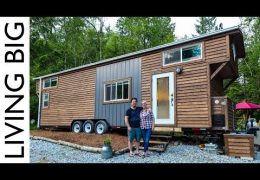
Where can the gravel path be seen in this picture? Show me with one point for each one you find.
(42, 151)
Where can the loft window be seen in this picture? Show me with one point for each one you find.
(117, 90)
(191, 52)
(172, 56)
(51, 82)
(182, 54)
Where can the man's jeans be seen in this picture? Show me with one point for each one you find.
(146, 137)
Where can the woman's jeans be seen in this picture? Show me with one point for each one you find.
(146, 137)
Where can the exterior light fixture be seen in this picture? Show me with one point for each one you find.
(179, 70)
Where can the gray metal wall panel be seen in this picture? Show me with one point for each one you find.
(114, 113)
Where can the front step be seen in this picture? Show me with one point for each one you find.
(160, 130)
(155, 142)
(158, 142)
(161, 136)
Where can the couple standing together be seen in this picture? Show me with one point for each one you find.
(139, 122)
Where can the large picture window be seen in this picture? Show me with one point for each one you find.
(117, 90)
(51, 82)
(182, 54)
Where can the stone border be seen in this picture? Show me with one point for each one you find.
(122, 151)
(84, 148)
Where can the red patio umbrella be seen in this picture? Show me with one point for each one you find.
(247, 106)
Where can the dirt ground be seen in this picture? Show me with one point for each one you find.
(118, 138)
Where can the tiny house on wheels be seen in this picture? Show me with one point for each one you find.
(183, 82)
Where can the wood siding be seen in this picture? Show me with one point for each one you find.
(239, 145)
(191, 89)
(216, 50)
(73, 98)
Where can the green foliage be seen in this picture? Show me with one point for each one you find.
(247, 86)
(107, 141)
(145, 32)
(206, 24)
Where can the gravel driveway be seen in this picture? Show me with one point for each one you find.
(42, 151)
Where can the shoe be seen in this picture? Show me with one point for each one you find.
(142, 154)
(136, 152)
(131, 154)
(149, 153)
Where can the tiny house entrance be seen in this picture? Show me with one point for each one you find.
(163, 98)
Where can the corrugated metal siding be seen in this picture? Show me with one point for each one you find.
(114, 113)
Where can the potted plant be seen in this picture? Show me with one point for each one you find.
(106, 151)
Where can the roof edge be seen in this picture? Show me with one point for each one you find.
(144, 51)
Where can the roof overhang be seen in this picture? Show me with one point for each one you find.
(235, 30)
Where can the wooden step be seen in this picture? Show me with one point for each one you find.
(161, 136)
(163, 129)
(155, 142)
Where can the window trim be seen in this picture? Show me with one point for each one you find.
(50, 82)
(43, 100)
(117, 100)
(181, 48)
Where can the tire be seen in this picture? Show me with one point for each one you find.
(88, 126)
(76, 127)
(101, 127)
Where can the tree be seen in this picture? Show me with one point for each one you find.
(247, 86)
(144, 32)
(206, 24)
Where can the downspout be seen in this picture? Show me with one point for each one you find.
(40, 102)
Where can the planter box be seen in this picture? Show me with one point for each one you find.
(239, 145)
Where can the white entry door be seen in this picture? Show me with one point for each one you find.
(163, 98)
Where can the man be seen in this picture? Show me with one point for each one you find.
(132, 121)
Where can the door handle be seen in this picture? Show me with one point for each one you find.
(172, 99)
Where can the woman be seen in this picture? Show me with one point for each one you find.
(146, 124)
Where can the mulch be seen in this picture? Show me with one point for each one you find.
(118, 138)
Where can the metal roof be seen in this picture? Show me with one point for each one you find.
(144, 51)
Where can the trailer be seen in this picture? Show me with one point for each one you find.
(181, 81)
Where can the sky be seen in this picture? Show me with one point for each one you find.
(185, 25)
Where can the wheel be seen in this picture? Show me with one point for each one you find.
(101, 127)
(76, 127)
(88, 126)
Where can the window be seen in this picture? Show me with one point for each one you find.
(116, 90)
(182, 54)
(51, 82)
(172, 56)
(45, 99)
(192, 52)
